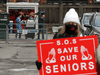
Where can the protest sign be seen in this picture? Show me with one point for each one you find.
(68, 56)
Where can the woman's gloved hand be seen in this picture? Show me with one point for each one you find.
(38, 65)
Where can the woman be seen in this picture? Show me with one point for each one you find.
(71, 28)
(18, 25)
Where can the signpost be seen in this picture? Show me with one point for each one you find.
(68, 56)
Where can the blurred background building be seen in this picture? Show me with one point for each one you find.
(54, 9)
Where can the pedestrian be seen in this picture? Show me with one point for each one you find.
(41, 25)
(71, 28)
(18, 25)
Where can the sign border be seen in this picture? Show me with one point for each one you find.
(52, 43)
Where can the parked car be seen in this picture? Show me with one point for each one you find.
(93, 28)
(86, 19)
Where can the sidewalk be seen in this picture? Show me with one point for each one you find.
(21, 53)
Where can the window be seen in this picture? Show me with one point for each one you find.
(87, 19)
(97, 20)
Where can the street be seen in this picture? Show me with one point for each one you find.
(18, 59)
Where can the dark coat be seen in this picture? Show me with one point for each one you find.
(41, 22)
(57, 35)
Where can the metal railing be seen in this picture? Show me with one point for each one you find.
(24, 32)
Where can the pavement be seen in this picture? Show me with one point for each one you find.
(18, 57)
(20, 49)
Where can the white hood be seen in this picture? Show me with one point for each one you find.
(71, 16)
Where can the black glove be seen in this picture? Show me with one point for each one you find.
(38, 65)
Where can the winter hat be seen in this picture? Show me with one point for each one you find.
(71, 16)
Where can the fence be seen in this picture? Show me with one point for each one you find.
(55, 13)
(10, 37)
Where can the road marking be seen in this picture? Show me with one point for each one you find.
(22, 69)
